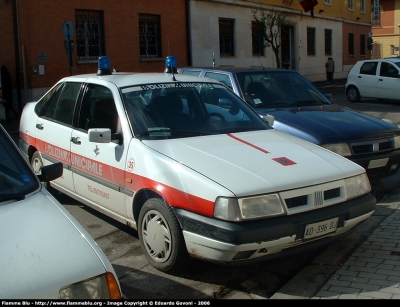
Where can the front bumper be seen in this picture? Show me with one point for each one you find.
(390, 164)
(245, 242)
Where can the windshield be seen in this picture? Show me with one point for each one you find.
(16, 177)
(176, 110)
(280, 89)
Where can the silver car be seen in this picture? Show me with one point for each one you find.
(45, 253)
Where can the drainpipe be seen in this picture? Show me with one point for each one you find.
(189, 44)
(17, 53)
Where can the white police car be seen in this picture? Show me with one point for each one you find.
(192, 167)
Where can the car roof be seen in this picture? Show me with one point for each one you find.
(234, 69)
(125, 79)
(391, 59)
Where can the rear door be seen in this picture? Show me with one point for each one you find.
(367, 79)
(54, 128)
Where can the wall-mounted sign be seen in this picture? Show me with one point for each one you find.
(376, 9)
(42, 57)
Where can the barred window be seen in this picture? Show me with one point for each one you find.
(89, 35)
(257, 39)
(310, 41)
(226, 38)
(351, 43)
(328, 42)
(150, 36)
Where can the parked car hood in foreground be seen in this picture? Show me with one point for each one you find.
(329, 124)
(36, 256)
(250, 157)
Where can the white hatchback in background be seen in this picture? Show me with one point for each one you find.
(378, 78)
(45, 253)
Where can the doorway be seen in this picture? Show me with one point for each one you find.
(287, 47)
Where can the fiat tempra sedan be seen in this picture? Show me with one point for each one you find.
(192, 167)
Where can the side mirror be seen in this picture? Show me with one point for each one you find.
(51, 172)
(330, 97)
(269, 119)
(103, 135)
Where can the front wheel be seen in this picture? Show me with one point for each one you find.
(161, 237)
(353, 95)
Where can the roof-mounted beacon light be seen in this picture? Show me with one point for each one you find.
(170, 64)
(104, 66)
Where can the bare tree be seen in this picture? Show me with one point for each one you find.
(271, 23)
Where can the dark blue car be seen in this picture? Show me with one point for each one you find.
(301, 110)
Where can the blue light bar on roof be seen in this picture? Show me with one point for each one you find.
(104, 66)
(170, 64)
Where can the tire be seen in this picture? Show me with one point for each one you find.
(161, 237)
(353, 95)
(37, 164)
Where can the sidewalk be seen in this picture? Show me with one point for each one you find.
(363, 265)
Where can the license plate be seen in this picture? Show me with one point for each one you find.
(320, 228)
(378, 163)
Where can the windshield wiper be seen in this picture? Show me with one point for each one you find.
(305, 103)
(169, 132)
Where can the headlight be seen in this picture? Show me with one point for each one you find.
(342, 149)
(397, 142)
(234, 209)
(103, 286)
(357, 186)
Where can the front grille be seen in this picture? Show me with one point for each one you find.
(372, 146)
(314, 197)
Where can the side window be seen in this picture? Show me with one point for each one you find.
(42, 103)
(388, 70)
(223, 78)
(66, 104)
(98, 109)
(191, 72)
(62, 105)
(369, 68)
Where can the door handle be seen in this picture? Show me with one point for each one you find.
(39, 126)
(76, 140)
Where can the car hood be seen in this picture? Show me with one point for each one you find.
(41, 249)
(329, 124)
(258, 161)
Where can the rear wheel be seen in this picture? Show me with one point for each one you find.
(161, 237)
(37, 164)
(353, 95)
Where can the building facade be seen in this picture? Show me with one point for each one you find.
(338, 29)
(386, 30)
(136, 35)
